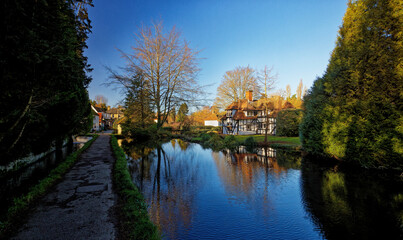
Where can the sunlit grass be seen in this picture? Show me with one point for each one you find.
(260, 138)
(135, 222)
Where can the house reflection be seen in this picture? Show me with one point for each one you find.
(267, 157)
(249, 177)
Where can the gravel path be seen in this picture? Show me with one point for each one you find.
(81, 206)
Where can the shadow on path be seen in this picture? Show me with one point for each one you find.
(79, 207)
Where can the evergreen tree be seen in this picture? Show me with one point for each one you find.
(43, 86)
(182, 112)
(138, 104)
(354, 112)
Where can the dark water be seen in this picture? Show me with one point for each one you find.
(16, 183)
(196, 193)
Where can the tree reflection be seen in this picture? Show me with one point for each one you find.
(168, 178)
(352, 204)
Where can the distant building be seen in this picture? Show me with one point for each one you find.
(97, 123)
(214, 123)
(115, 113)
(247, 116)
(112, 115)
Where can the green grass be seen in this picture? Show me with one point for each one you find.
(260, 138)
(132, 209)
(18, 210)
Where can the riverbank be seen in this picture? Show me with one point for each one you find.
(22, 204)
(78, 206)
(134, 220)
(292, 143)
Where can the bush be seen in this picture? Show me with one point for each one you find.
(288, 121)
(167, 129)
(250, 143)
(230, 142)
(215, 142)
(205, 137)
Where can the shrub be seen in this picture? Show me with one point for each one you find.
(205, 137)
(167, 129)
(230, 142)
(288, 121)
(250, 142)
(215, 142)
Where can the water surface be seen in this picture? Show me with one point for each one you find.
(196, 193)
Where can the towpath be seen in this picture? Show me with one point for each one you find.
(81, 206)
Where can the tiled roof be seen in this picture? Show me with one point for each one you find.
(287, 104)
(240, 115)
(242, 104)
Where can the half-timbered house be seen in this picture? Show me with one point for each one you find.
(248, 116)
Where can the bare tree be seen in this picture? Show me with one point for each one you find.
(299, 90)
(268, 80)
(167, 64)
(101, 99)
(234, 85)
(288, 91)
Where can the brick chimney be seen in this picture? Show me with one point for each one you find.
(249, 95)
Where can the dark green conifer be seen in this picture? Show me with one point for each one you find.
(354, 112)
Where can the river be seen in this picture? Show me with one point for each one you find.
(197, 193)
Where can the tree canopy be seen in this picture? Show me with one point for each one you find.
(168, 66)
(354, 111)
(182, 112)
(234, 85)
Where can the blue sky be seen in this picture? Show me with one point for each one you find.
(296, 37)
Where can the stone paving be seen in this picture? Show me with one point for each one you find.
(81, 206)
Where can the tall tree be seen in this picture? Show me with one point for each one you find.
(268, 80)
(182, 112)
(235, 84)
(288, 91)
(354, 112)
(101, 99)
(168, 65)
(138, 104)
(43, 74)
(299, 90)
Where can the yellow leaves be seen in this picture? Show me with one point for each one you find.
(336, 132)
(206, 113)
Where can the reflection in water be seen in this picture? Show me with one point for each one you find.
(347, 204)
(196, 193)
(169, 191)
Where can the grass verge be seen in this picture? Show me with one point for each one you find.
(17, 211)
(132, 209)
(260, 138)
(291, 143)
